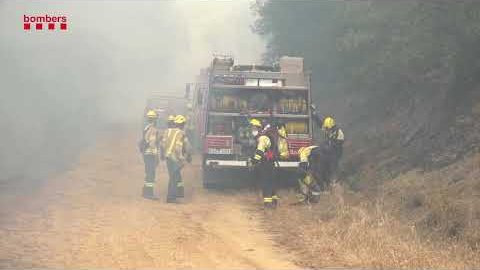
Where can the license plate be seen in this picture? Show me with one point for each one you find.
(216, 151)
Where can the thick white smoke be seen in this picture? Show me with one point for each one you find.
(61, 89)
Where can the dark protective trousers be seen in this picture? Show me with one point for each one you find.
(151, 162)
(332, 171)
(309, 188)
(266, 173)
(174, 175)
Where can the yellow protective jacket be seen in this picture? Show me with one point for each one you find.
(175, 144)
(335, 137)
(304, 153)
(151, 136)
(263, 145)
(282, 144)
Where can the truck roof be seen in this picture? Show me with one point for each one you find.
(288, 74)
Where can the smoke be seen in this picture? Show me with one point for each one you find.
(61, 90)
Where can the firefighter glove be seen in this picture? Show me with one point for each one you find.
(251, 163)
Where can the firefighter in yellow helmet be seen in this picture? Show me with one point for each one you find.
(170, 128)
(263, 163)
(309, 189)
(176, 150)
(335, 138)
(149, 147)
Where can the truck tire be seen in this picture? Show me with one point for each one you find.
(207, 175)
(207, 178)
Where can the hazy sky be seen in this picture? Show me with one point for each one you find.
(66, 85)
(127, 47)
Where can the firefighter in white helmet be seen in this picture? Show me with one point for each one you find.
(149, 147)
(176, 150)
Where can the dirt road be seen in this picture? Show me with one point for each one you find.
(94, 217)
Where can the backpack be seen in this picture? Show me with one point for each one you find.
(279, 145)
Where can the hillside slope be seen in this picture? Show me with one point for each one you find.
(403, 80)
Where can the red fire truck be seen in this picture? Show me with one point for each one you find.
(226, 96)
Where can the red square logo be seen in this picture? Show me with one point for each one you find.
(51, 26)
(38, 26)
(26, 26)
(63, 26)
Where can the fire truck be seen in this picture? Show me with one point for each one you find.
(226, 96)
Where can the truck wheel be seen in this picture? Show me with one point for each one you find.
(207, 178)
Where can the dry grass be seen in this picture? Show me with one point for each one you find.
(348, 230)
(442, 204)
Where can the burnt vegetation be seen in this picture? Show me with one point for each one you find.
(403, 80)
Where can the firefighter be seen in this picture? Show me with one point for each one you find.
(180, 183)
(263, 163)
(187, 153)
(149, 147)
(335, 138)
(278, 137)
(171, 125)
(309, 189)
(176, 150)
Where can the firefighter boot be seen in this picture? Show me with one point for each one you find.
(302, 195)
(275, 201)
(314, 197)
(301, 198)
(180, 190)
(267, 203)
(147, 189)
(147, 192)
(314, 193)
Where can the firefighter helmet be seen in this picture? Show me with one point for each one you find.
(256, 123)
(151, 114)
(180, 119)
(328, 123)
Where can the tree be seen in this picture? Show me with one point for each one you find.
(396, 72)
